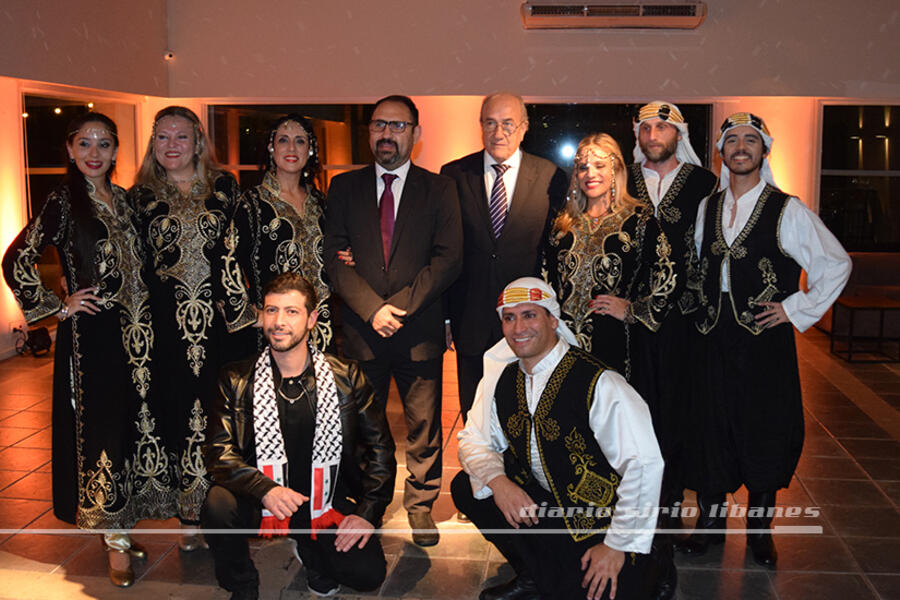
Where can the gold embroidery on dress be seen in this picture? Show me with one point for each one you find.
(301, 251)
(118, 260)
(189, 228)
(144, 481)
(232, 278)
(586, 269)
(193, 470)
(33, 297)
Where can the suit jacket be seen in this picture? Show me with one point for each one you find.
(489, 263)
(365, 483)
(425, 259)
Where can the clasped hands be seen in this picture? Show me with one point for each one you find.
(353, 529)
(600, 563)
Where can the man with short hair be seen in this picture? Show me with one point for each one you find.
(557, 442)
(753, 239)
(298, 445)
(402, 224)
(508, 199)
(667, 175)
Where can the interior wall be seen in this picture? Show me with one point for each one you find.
(12, 199)
(106, 45)
(363, 50)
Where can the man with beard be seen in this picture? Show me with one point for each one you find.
(753, 240)
(507, 200)
(298, 445)
(402, 224)
(666, 175)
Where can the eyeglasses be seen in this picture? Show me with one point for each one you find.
(396, 126)
(509, 126)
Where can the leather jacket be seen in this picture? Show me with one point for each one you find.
(365, 483)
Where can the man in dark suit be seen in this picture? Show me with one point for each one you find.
(403, 226)
(506, 220)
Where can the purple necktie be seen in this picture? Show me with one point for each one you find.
(386, 214)
(498, 203)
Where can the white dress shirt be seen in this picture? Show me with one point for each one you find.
(656, 188)
(622, 427)
(805, 239)
(396, 186)
(509, 178)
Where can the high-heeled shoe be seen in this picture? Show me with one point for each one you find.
(119, 578)
(137, 551)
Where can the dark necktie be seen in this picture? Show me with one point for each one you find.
(498, 203)
(386, 214)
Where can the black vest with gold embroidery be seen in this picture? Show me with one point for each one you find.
(676, 213)
(579, 475)
(759, 269)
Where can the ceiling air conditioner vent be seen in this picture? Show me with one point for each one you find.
(562, 14)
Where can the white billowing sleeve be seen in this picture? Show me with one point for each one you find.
(481, 446)
(698, 224)
(622, 427)
(806, 239)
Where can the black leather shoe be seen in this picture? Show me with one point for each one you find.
(520, 588)
(666, 575)
(425, 532)
(763, 549)
(698, 543)
(761, 544)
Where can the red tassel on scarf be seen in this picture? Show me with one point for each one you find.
(324, 521)
(270, 526)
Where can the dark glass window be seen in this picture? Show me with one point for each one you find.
(860, 184)
(239, 132)
(555, 129)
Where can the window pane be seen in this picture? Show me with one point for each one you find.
(555, 129)
(862, 211)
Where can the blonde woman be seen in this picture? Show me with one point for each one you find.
(608, 259)
(182, 201)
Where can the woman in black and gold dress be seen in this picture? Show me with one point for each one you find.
(608, 259)
(277, 228)
(109, 467)
(182, 202)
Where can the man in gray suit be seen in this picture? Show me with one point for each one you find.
(507, 199)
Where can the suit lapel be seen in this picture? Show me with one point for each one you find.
(521, 200)
(413, 190)
(475, 181)
(366, 207)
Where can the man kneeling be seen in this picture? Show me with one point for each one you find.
(556, 442)
(296, 445)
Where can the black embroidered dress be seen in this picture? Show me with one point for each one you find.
(626, 255)
(110, 468)
(179, 233)
(267, 237)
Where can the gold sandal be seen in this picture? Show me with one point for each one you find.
(118, 578)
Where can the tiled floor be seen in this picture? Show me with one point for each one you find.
(850, 472)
